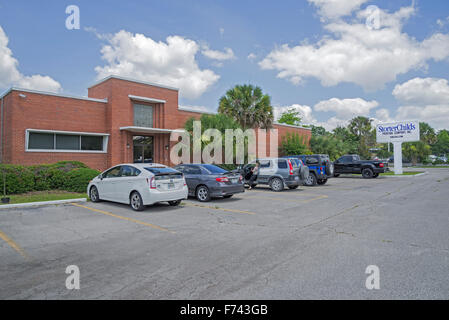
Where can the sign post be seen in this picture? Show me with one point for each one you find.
(397, 133)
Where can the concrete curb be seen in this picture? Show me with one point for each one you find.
(40, 203)
(409, 176)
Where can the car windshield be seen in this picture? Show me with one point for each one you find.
(214, 169)
(161, 170)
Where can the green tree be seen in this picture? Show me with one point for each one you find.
(427, 133)
(293, 144)
(416, 151)
(328, 144)
(248, 106)
(441, 146)
(291, 117)
(361, 128)
(318, 131)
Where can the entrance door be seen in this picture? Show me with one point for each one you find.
(143, 149)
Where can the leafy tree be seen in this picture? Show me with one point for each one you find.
(416, 151)
(248, 106)
(442, 144)
(328, 144)
(293, 144)
(318, 131)
(291, 117)
(427, 133)
(361, 128)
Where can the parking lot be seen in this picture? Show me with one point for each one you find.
(310, 243)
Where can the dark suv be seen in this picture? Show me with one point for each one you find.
(320, 168)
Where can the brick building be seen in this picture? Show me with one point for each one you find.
(121, 120)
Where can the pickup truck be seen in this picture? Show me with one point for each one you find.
(353, 164)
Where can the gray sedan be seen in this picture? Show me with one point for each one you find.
(206, 181)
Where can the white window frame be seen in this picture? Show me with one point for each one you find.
(55, 132)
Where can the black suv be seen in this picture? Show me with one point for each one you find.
(320, 168)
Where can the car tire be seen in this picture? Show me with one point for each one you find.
(276, 184)
(375, 175)
(322, 182)
(329, 168)
(293, 187)
(202, 194)
(94, 195)
(311, 180)
(136, 202)
(174, 203)
(367, 173)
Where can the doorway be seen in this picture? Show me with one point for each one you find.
(143, 151)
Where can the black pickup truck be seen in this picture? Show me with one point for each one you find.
(353, 164)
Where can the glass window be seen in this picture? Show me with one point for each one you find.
(94, 143)
(265, 163)
(143, 115)
(112, 173)
(37, 140)
(67, 142)
(282, 164)
(214, 169)
(128, 171)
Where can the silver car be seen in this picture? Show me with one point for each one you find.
(277, 173)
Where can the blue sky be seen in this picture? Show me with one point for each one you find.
(313, 55)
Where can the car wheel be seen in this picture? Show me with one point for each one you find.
(93, 194)
(203, 194)
(375, 175)
(311, 180)
(293, 187)
(322, 181)
(136, 202)
(367, 173)
(174, 203)
(276, 184)
(336, 175)
(227, 196)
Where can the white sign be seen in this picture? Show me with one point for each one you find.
(403, 131)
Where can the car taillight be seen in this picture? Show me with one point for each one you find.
(222, 179)
(381, 165)
(240, 178)
(152, 183)
(290, 166)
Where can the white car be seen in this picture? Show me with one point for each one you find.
(139, 184)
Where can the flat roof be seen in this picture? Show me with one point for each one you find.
(146, 99)
(133, 80)
(136, 129)
(52, 94)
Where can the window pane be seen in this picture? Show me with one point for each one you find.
(282, 164)
(143, 115)
(92, 143)
(67, 142)
(40, 140)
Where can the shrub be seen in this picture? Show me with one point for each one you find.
(78, 179)
(18, 179)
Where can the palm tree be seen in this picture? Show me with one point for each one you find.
(248, 106)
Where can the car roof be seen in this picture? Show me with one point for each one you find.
(142, 165)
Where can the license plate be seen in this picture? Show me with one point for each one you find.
(235, 180)
(171, 185)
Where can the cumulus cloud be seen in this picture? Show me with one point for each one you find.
(11, 76)
(304, 111)
(354, 53)
(227, 54)
(424, 99)
(332, 9)
(171, 62)
(251, 56)
(346, 108)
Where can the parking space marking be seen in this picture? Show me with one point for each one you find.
(217, 208)
(322, 196)
(14, 245)
(124, 218)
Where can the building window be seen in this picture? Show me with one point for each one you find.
(65, 142)
(143, 116)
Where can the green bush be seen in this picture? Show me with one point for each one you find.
(63, 175)
(78, 179)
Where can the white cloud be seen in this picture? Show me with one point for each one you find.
(197, 109)
(332, 9)
(353, 53)
(423, 91)
(424, 99)
(172, 62)
(251, 56)
(11, 76)
(304, 110)
(227, 54)
(346, 108)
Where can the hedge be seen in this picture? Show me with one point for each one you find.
(63, 175)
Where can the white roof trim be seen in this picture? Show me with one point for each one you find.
(133, 80)
(145, 99)
(195, 111)
(291, 126)
(52, 94)
(149, 130)
(69, 132)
